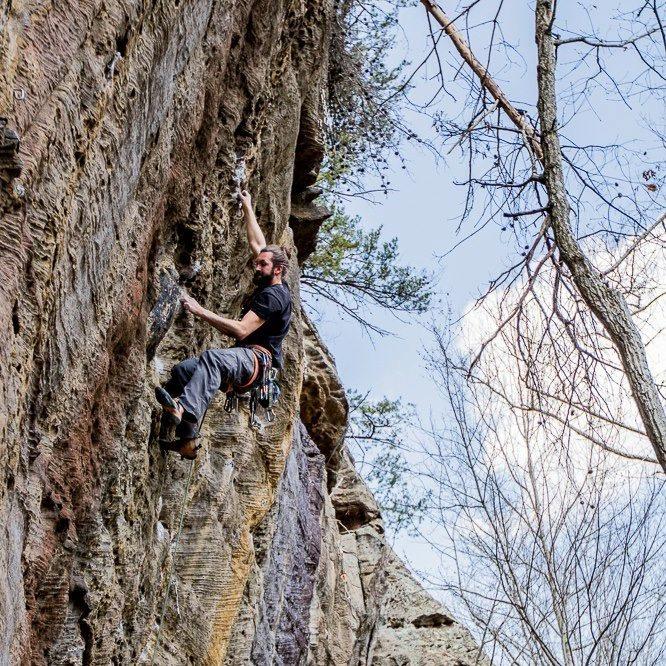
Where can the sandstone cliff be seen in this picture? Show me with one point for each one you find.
(137, 119)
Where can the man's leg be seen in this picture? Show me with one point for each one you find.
(216, 369)
(180, 375)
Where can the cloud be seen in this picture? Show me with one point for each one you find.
(549, 383)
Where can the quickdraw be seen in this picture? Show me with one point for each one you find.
(262, 390)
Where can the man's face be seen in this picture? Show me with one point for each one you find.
(263, 269)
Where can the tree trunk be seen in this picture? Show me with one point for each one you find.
(607, 304)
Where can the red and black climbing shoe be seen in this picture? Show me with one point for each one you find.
(171, 406)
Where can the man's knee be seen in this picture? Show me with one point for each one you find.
(210, 356)
(184, 370)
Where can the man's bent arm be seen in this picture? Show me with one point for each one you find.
(237, 329)
(255, 236)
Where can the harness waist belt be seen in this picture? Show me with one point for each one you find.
(257, 350)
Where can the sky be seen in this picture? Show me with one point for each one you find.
(423, 210)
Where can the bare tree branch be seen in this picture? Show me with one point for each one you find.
(486, 80)
(607, 303)
(598, 43)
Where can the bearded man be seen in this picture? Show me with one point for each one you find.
(265, 320)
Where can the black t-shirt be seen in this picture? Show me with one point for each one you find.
(273, 305)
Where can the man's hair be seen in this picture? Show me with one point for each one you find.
(280, 257)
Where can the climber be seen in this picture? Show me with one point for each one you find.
(266, 316)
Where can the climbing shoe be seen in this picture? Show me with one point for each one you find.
(171, 405)
(187, 448)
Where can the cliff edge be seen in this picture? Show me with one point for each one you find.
(136, 121)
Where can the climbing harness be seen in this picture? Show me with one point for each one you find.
(174, 545)
(265, 394)
(261, 390)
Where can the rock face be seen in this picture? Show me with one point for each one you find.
(138, 120)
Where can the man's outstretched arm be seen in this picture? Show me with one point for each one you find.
(255, 235)
(237, 329)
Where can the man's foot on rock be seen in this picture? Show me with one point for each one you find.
(170, 405)
(187, 448)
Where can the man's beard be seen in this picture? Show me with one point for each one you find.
(261, 280)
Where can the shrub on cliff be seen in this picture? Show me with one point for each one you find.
(356, 270)
(376, 438)
(364, 126)
(352, 267)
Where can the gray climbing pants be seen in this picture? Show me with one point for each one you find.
(196, 380)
